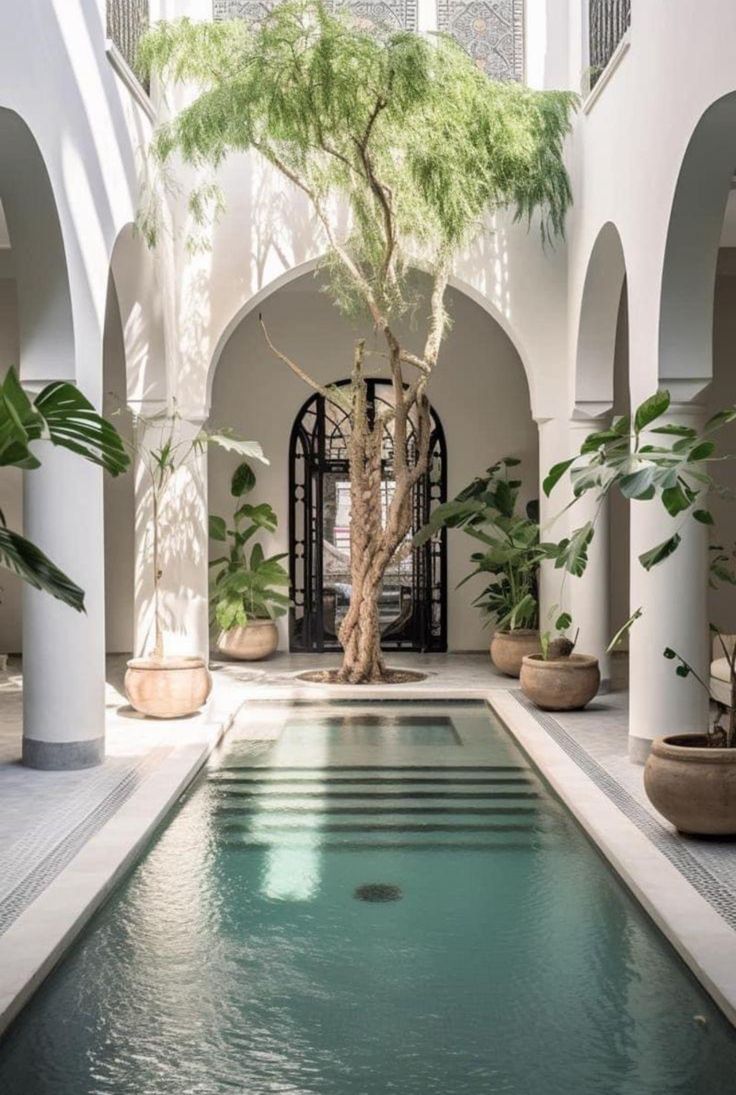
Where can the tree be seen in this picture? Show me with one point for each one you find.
(409, 138)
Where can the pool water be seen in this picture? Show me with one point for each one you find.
(243, 956)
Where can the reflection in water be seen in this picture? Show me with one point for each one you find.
(237, 958)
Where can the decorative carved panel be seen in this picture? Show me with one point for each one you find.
(491, 31)
(395, 14)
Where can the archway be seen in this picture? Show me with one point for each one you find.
(479, 391)
(661, 703)
(600, 599)
(134, 379)
(413, 602)
(36, 331)
(63, 651)
(599, 317)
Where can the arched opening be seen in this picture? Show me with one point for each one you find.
(599, 319)
(602, 392)
(119, 493)
(479, 392)
(698, 304)
(134, 378)
(36, 330)
(413, 603)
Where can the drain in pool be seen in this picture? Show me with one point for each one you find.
(378, 891)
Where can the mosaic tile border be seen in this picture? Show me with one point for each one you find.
(719, 895)
(60, 855)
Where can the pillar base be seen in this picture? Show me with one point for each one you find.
(63, 756)
(639, 749)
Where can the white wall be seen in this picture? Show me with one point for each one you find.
(118, 495)
(479, 391)
(119, 514)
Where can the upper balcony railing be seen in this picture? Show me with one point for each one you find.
(127, 22)
(608, 23)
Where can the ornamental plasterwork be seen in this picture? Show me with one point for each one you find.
(395, 14)
(491, 31)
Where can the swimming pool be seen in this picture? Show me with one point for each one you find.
(370, 898)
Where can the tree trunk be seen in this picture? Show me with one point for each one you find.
(372, 547)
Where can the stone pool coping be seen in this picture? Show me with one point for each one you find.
(38, 939)
(702, 938)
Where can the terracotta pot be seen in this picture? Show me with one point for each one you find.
(167, 688)
(258, 639)
(561, 684)
(508, 648)
(692, 785)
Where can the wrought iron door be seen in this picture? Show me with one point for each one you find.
(414, 596)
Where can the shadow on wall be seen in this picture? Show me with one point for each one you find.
(479, 390)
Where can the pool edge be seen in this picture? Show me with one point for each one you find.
(698, 933)
(35, 943)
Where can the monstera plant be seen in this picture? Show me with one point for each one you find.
(62, 415)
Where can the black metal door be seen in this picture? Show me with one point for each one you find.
(414, 599)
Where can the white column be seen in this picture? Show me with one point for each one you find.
(183, 549)
(554, 446)
(589, 595)
(673, 599)
(63, 650)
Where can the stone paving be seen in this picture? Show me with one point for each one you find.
(47, 817)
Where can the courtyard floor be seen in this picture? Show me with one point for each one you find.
(66, 837)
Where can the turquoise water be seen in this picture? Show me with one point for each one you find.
(237, 957)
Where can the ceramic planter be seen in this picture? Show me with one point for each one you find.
(508, 649)
(258, 639)
(560, 684)
(167, 688)
(693, 785)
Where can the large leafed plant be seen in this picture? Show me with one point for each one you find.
(62, 415)
(402, 147)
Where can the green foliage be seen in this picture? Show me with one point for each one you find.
(62, 415)
(554, 641)
(486, 511)
(245, 584)
(672, 468)
(407, 131)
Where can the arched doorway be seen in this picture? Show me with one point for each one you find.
(413, 605)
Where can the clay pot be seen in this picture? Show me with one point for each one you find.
(258, 639)
(508, 648)
(167, 688)
(692, 785)
(561, 684)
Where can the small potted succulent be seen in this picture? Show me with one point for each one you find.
(246, 595)
(158, 684)
(689, 778)
(487, 511)
(558, 679)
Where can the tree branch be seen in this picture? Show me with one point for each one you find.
(296, 369)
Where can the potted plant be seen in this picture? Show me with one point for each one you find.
(157, 684)
(689, 778)
(245, 596)
(487, 511)
(556, 678)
